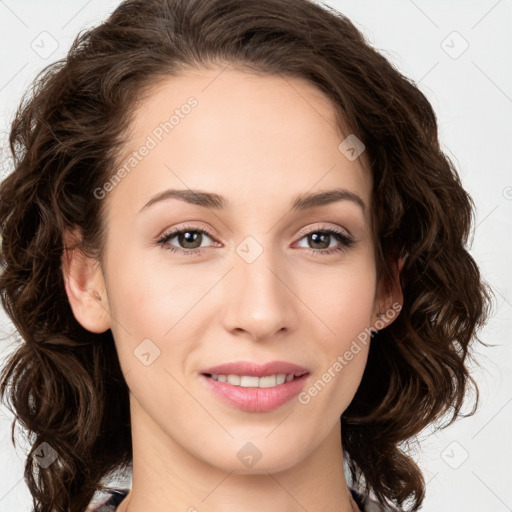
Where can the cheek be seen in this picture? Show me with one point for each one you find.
(344, 305)
(156, 303)
(150, 295)
(342, 296)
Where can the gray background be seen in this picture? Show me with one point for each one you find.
(459, 54)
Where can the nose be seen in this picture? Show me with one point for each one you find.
(259, 299)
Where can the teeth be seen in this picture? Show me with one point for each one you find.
(249, 381)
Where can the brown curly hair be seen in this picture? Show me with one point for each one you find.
(64, 140)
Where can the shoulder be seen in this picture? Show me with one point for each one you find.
(107, 501)
(366, 504)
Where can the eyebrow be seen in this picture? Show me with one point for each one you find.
(299, 203)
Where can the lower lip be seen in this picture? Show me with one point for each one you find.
(256, 399)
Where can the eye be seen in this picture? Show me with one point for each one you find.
(190, 238)
(321, 240)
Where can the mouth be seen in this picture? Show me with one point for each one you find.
(253, 381)
(251, 393)
(251, 369)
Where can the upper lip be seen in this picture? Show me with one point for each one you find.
(254, 369)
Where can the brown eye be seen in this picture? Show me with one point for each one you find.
(189, 240)
(319, 240)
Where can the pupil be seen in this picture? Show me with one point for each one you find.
(315, 237)
(188, 238)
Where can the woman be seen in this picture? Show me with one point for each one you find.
(237, 259)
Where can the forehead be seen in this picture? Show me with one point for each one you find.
(246, 136)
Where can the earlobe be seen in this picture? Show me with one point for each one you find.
(84, 284)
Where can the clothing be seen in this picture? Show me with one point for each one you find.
(110, 502)
(107, 502)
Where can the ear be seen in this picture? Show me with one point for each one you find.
(389, 296)
(84, 284)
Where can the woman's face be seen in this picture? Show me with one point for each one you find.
(266, 282)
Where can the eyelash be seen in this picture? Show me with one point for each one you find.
(340, 236)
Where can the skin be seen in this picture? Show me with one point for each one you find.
(258, 141)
